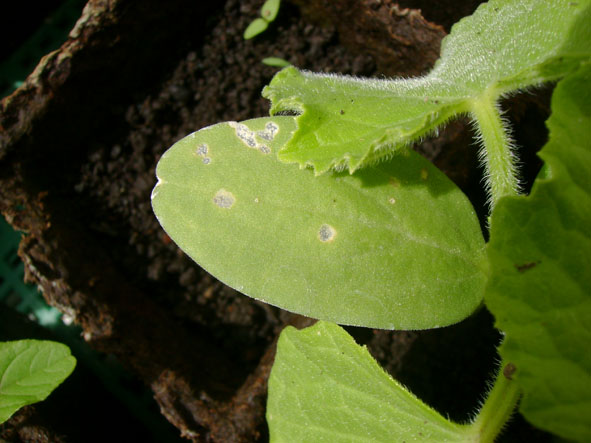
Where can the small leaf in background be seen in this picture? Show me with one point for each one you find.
(257, 26)
(394, 247)
(270, 10)
(504, 46)
(325, 388)
(540, 287)
(276, 62)
(29, 371)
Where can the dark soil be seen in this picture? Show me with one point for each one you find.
(78, 151)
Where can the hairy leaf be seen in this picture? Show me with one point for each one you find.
(325, 388)
(396, 246)
(504, 46)
(540, 288)
(29, 371)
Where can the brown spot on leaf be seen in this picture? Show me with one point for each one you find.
(509, 370)
(526, 266)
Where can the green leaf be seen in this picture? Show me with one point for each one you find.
(397, 246)
(257, 26)
(270, 9)
(346, 121)
(540, 286)
(276, 62)
(324, 387)
(29, 371)
(505, 46)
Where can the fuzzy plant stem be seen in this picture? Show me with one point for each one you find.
(497, 408)
(496, 148)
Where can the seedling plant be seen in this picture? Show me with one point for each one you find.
(367, 232)
(269, 12)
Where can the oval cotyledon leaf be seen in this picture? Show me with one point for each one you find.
(396, 246)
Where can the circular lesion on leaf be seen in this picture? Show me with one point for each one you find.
(224, 199)
(326, 233)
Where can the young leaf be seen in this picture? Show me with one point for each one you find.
(325, 387)
(540, 287)
(397, 246)
(276, 62)
(257, 26)
(504, 46)
(29, 371)
(270, 10)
